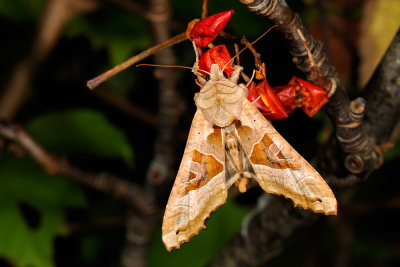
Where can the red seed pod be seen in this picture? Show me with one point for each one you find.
(299, 93)
(207, 29)
(268, 104)
(216, 55)
(313, 96)
(189, 28)
(289, 96)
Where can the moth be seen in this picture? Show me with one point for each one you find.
(230, 142)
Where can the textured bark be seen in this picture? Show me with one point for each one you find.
(140, 228)
(263, 235)
(170, 106)
(267, 230)
(351, 135)
(382, 94)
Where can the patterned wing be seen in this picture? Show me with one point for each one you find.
(200, 186)
(279, 168)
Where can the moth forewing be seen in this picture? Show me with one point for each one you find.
(191, 203)
(231, 142)
(279, 168)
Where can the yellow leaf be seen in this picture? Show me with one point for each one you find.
(379, 24)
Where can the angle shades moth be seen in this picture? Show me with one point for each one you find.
(229, 143)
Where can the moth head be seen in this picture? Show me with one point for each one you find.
(216, 73)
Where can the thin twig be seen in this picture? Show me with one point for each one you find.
(204, 9)
(140, 229)
(161, 170)
(93, 83)
(55, 15)
(104, 182)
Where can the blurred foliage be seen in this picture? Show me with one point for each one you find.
(36, 208)
(32, 207)
(21, 10)
(221, 227)
(393, 153)
(80, 131)
(119, 32)
(377, 31)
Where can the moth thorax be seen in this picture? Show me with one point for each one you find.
(230, 142)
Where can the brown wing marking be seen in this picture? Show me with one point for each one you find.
(202, 169)
(279, 168)
(200, 186)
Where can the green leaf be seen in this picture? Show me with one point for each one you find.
(393, 153)
(80, 131)
(372, 250)
(21, 9)
(90, 247)
(221, 227)
(124, 83)
(23, 182)
(120, 33)
(188, 9)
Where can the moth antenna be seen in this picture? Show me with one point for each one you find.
(310, 56)
(251, 79)
(195, 51)
(319, 79)
(262, 35)
(173, 66)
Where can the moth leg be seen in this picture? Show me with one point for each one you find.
(241, 184)
(255, 100)
(195, 50)
(251, 79)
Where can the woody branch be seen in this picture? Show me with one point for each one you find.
(351, 134)
(382, 94)
(264, 235)
(382, 110)
(160, 173)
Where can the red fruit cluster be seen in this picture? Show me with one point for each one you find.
(277, 102)
(216, 55)
(273, 102)
(207, 29)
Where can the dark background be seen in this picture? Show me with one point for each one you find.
(53, 221)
